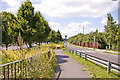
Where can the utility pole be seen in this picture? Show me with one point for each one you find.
(94, 42)
(83, 35)
(65, 41)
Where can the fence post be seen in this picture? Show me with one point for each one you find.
(69, 51)
(109, 67)
(49, 53)
(31, 62)
(4, 72)
(85, 57)
(80, 54)
(72, 51)
(76, 52)
(15, 70)
(8, 71)
(12, 70)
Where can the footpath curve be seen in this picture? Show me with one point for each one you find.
(69, 67)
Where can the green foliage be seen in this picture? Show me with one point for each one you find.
(108, 37)
(8, 27)
(25, 17)
(54, 36)
(110, 32)
(118, 39)
(41, 66)
(59, 37)
(42, 28)
(89, 38)
(32, 26)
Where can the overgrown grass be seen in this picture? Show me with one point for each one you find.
(111, 53)
(42, 66)
(10, 55)
(97, 71)
(53, 45)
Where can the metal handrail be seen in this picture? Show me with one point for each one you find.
(19, 66)
(98, 60)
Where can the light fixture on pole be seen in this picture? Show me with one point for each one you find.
(83, 34)
(94, 42)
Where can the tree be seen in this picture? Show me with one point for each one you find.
(25, 16)
(96, 35)
(59, 37)
(47, 30)
(52, 36)
(110, 31)
(101, 41)
(42, 28)
(8, 26)
(0, 29)
(118, 39)
(39, 27)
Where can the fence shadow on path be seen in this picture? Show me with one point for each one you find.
(61, 58)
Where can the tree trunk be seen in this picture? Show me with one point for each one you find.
(30, 45)
(39, 43)
(26, 45)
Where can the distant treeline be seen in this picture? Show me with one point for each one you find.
(31, 25)
(110, 37)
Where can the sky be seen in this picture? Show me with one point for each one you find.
(69, 16)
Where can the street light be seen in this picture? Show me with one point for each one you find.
(83, 34)
(94, 42)
(65, 41)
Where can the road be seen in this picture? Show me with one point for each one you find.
(106, 56)
(17, 47)
(70, 68)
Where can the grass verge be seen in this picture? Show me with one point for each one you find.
(97, 71)
(82, 47)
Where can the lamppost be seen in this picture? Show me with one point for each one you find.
(83, 34)
(65, 41)
(94, 42)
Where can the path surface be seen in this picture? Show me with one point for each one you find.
(69, 67)
(106, 56)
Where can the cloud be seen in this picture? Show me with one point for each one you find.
(67, 8)
(70, 29)
(75, 8)
(104, 21)
(12, 10)
(92, 29)
(73, 28)
(12, 5)
(55, 26)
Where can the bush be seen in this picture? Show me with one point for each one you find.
(41, 66)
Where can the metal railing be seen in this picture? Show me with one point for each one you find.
(110, 65)
(19, 68)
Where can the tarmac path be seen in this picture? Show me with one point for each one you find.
(69, 67)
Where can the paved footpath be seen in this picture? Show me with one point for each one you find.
(69, 67)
